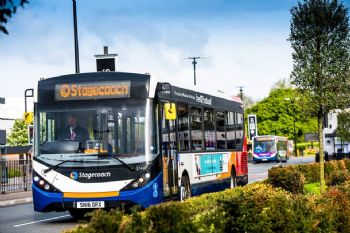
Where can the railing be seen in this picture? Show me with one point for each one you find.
(15, 175)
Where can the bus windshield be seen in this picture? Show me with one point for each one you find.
(266, 146)
(96, 132)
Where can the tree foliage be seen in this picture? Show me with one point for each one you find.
(277, 112)
(19, 134)
(321, 44)
(343, 128)
(7, 9)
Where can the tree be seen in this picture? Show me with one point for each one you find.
(19, 134)
(343, 128)
(320, 41)
(277, 113)
(7, 9)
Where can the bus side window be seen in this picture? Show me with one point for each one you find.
(220, 130)
(239, 131)
(196, 129)
(230, 129)
(183, 127)
(209, 133)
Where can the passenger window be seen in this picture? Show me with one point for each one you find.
(220, 130)
(183, 127)
(196, 129)
(239, 130)
(230, 130)
(209, 130)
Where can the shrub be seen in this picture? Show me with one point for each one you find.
(258, 207)
(347, 164)
(332, 212)
(311, 172)
(14, 173)
(102, 221)
(338, 177)
(168, 217)
(287, 178)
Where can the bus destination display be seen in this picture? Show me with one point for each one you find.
(92, 90)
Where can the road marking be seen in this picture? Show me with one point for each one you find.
(43, 220)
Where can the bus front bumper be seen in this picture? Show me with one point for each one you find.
(145, 196)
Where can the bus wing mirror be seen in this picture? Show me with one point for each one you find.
(170, 111)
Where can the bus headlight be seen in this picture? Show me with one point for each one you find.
(42, 184)
(36, 178)
(146, 176)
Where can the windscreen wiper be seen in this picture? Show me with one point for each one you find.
(114, 156)
(65, 161)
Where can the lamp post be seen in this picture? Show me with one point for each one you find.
(27, 93)
(76, 45)
(194, 62)
(2, 167)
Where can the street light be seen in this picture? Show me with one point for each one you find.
(27, 93)
(294, 120)
(194, 62)
(241, 91)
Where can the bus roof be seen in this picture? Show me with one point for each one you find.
(178, 94)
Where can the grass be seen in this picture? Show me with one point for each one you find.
(312, 188)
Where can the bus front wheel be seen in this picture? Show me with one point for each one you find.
(185, 188)
(278, 158)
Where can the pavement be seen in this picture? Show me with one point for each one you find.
(15, 198)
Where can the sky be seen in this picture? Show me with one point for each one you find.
(242, 42)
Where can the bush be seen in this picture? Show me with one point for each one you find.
(347, 164)
(332, 212)
(14, 173)
(254, 208)
(258, 207)
(287, 178)
(102, 221)
(338, 177)
(311, 172)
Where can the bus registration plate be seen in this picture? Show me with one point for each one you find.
(90, 204)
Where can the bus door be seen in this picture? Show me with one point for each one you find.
(169, 153)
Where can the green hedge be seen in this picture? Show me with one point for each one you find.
(292, 178)
(258, 207)
(287, 178)
(254, 208)
(14, 173)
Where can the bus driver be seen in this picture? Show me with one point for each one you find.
(74, 131)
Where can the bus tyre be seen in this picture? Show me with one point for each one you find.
(278, 159)
(233, 181)
(78, 213)
(185, 191)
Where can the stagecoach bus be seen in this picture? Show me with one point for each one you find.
(270, 148)
(145, 142)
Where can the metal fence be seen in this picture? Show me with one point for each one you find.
(15, 175)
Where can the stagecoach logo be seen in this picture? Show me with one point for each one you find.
(74, 175)
(203, 99)
(155, 190)
(88, 175)
(100, 90)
